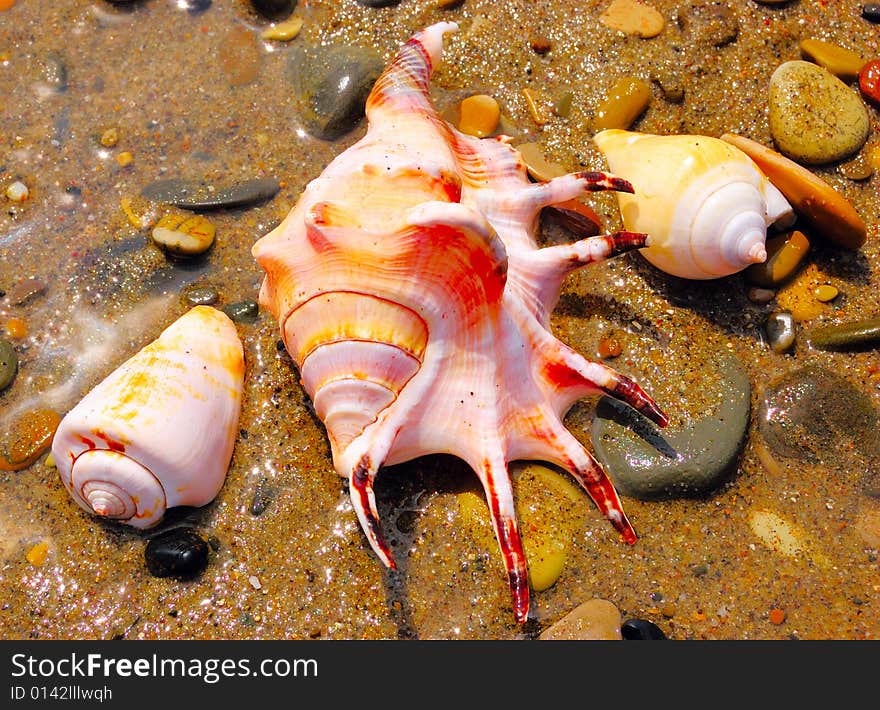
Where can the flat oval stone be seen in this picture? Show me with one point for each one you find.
(678, 461)
(633, 18)
(843, 63)
(843, 336)
(827, 211)
(8, 364)
(197, 195)
(201, 295)
(594, 620)
(813, 414)
(537, 164)
(378, 3)
(814, 117)
(183, 235)
(27, 438)
(242, 311)
(479, 115)
(180, 552)
(331, 87)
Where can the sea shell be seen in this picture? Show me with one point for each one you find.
(413, 298)
(157, 432)
(704, 203)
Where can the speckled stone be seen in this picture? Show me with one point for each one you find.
(679, 461)
(813, 414)
(814, 117)
(8, 364)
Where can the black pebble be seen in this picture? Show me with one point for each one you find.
(871, 12)
(179, 552)
(194, 7)
(379, 3)
(641, 630)
(274, 9)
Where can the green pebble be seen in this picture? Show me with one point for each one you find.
(846, 335)
(8, 364)
(242, 311)
(201, 295)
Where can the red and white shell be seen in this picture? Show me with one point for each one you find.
(415, 301)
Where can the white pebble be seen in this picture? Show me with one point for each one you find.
(255, 582)
(17, 191)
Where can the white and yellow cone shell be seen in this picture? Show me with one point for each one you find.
(704, 203)
(158, 432)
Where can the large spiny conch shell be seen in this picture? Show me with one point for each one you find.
(704, 202)
(415, 302)
(157, 432)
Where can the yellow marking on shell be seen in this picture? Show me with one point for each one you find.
(341, 315)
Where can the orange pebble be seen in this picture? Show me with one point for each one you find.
(609, 347)
(16, 328)
(777, 616)
(6, 4)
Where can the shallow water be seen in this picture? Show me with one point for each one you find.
(171, 85)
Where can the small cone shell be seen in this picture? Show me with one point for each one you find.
(159, 431)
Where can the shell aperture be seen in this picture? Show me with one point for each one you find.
(415, 302)
(158, 431)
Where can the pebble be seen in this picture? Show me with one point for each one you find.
(109, 137)
(25, 289)
(641, 630)
(479, 116)
(846, 335)
(843, 63)
(781, 331)
(709, 22)
(17, 192)
(242, 311)
(859, 168)
(785, 253)
(871, 12)
(546, 557)
(540, 44)
(623, 104)
(562, 105)
(682, 460)
(776, 616)
(761, 295)
(283, 31)
(633, 18)
(576, 216)
(449, 4)
(6, 4)
(195, 195)
(817, 416)
(124, 159)
(201, 295)
(825, 293)
(27, 438)
(826, 210)
(194, 7)
(609, 347)
(594, 620)
(539, 104)
(798, 297)
(241, 57)
(16, 328)
(537, 165)
(670, 82)
(180, 553)
(776, 533)
(869, 80)
(8, 364)
(274, 9)
(184, 235)
(263, 495)
(814, 117)
(379, 3)
(332, 86)
(37, 554)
